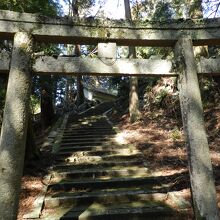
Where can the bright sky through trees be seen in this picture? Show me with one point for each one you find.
(115, 8)
(112, 9)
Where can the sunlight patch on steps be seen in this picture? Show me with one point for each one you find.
(121, 138)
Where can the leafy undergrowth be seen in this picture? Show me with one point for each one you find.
(33, 180)
(31, 188)
(159, 135)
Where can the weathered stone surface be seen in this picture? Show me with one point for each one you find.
(14, 126)
(52, 134)
(200, 167)
(105, 189)
(107, 50)
(90, 31)
(209, 66)
(94, 66)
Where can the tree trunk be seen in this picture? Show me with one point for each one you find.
(14, 127)
(47, 111)
(200, 167)
(133, 94)
(195, 12)
(80, 94)
(31, 151)
(67, 93)
(54, 80)
(195, 9)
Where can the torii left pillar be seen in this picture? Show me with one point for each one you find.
(14, 126)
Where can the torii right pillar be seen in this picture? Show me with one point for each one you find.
(200, 167)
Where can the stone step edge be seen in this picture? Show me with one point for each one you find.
(100, 164)
(98, 183)
(83, 171)
(105, 198)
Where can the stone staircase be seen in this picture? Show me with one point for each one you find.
(96, 177)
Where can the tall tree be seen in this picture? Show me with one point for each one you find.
(80, 93)
(47, 109)
(74, 12)
(45, 7)
(133, 94)
(195, 11)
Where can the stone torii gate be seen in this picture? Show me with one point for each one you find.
(181, 35)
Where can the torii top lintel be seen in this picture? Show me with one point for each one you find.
(92, 31)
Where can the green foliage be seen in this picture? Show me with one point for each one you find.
(77, 7)
(35, 104)
(48, 49)
(44, 7)
(163, 11)
(161, 96)
(209, 88)
(81, 3)
(161, 52)
(176, 134)
(158, 10)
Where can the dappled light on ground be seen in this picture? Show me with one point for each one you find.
(31, 188)
(159, 138)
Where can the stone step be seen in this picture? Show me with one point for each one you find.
(98, 128)
(88, 148)
(69, 157)
(97, 183)
(103, 164)
(108, 213)
(98, 178)
(71, 137)
(86, 139)
(144, 194)
(86, 143)
(93, 120)
(88, 125)
(98, 152)
(92, 128)
(67, 137)
(96, 173)
(93, 160)
(125, 211)
(89, 132)
(88, 120)
(96, 147)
